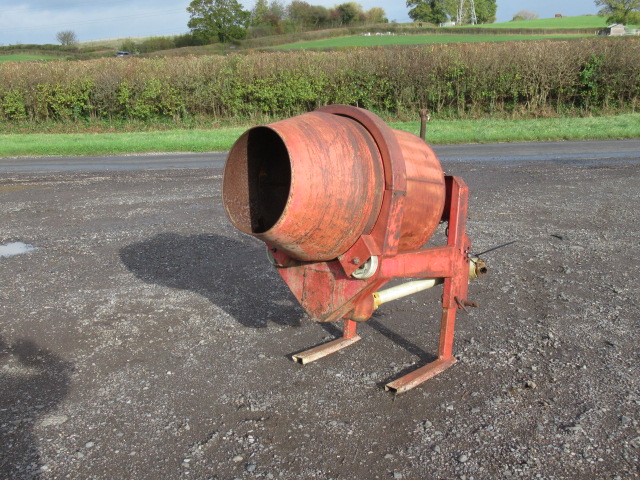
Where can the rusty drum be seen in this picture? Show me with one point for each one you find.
(312, 185)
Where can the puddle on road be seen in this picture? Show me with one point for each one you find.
(15, 248)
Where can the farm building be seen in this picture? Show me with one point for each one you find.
(614, 30)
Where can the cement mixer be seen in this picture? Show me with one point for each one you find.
(346, 204)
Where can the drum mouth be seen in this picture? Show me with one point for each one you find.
(257, 181)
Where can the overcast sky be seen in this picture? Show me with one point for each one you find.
(38, 21)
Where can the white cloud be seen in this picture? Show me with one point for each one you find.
(35, 23)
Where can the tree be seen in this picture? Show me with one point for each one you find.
(218, 19)
(432, 11)
(272, 17)
(264, 21)
(305, 15)
(277, 9)
(376, 15)
(299, 13)
(67, 37)
(625, 12)
(524, 15)
(486, 11)
(259, 13)
(349, 13)
(439, 11)
(319, 15)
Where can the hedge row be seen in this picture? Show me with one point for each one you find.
(517, 78)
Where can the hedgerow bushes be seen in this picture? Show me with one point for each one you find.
(525, 78)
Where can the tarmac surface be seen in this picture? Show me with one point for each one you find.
(565, 152)
(143, 337)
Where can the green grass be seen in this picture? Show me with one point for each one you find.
(36, 144)
(438, 132)
(25, 57)
(389, 40)
(528, 130)
(584, 21)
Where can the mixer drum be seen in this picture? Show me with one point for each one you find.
(313, 184)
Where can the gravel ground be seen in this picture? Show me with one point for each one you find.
(145, 338)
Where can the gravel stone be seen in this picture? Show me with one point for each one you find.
(51, 420)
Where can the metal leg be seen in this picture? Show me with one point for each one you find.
(444, 361)
(349, 328)
(349, 336)
(453, 297)
(448, 323)
(422, 374)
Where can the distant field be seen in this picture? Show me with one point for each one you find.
(20, 57)
(449, 34)
(388, 40)
(584, 21)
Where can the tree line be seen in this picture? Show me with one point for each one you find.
(302, 15)
(626, 12)
(225, 20)
(441, 11)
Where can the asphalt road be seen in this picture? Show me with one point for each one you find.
(597, 152)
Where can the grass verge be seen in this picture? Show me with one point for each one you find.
(438, 132)
(616, 127)
(70, 144)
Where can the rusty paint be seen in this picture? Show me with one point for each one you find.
(309, 185)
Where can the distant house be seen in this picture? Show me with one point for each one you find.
(614, 30)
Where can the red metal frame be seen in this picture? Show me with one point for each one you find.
(450, 262)
(455, 287)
